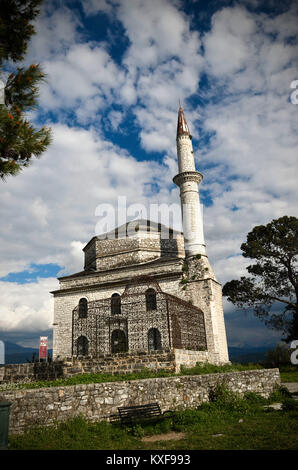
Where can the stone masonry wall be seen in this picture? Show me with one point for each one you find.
(111, 253)
(99, 400)
(205, 292)
(188, 358)
(122, 363)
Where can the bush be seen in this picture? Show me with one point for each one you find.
(138, 431)
(224, 399)
(290, 404)
(280, 394)
(254, 398)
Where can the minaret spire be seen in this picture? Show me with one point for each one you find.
(187, 180)
(182, 127)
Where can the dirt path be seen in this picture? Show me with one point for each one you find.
(164, 437)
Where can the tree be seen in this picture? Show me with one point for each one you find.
(279, 356)
(19, 140)
(274, 277)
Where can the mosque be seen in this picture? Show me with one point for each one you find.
(147, 289)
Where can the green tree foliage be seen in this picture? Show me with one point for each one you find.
(19, 140)
(273, 277)
(279, 356)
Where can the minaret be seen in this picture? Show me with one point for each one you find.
(203, 289)
(188, 180)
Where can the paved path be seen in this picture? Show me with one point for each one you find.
(291, 386)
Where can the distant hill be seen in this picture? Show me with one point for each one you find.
(16, 354)
(246, 354)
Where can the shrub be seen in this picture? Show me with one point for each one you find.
(254, 398)
(222, 398)
(280, 395)
(290, 404)
(138, 431)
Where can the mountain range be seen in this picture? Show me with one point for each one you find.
(16, 354)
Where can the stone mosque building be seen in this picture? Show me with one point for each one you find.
(144, 291)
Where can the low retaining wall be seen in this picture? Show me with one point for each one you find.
(122, 363)
(188, 358)
(45, 406)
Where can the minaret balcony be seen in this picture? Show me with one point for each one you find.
(186, 176)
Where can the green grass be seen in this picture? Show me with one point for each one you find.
(205, 368)
(289, 373)
(228, 422)
(90, 378)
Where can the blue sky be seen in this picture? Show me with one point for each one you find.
(116, 71)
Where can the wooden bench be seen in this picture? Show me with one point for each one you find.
(141, 413)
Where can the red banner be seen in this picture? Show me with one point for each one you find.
(43, 346)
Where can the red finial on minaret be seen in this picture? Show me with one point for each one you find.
(182, 127)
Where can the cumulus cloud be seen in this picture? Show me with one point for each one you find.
(52, 204)
(28, 307)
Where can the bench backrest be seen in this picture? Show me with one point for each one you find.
(140, 411)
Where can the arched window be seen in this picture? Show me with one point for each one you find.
(83, 308)
(82, 346)
(150, 299)
(118, 341)
(154, 339)
(116, 304)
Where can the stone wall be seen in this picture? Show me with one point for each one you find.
(97, 401)
(122, 363)
(188, 358)
(206, 293)
(112, 252)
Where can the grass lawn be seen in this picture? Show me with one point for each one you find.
(227, 423)
(288, 373)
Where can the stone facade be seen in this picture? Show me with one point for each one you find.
(195, 298)
(97, 401)
(170, 318)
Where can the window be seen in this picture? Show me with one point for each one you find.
(118, 341)
(82, 346)
(150, 300)
(116, 304)
(83, 308)
(154, 339)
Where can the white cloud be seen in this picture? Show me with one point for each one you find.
(53, 202)
(82, 78)
(228, 44)
(56, 30)
(115, 118)
(27, 307)
(93, 7)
